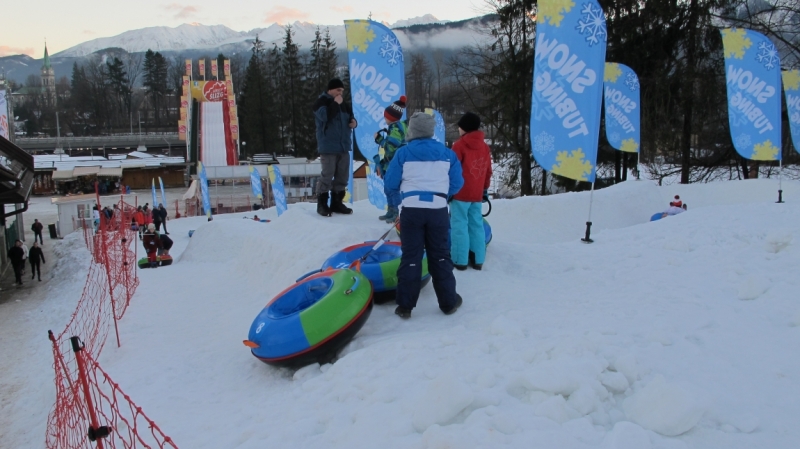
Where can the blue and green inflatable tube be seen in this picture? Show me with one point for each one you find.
(311, 320)
(380, 267)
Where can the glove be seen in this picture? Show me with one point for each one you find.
(485, 195)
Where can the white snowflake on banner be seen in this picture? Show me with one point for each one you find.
(544, 143)
(768, 55)
(743, 141)
(592, 23)
(391, 50)
(632, 81)
(615, 137)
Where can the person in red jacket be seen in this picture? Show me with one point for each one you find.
(466, 221)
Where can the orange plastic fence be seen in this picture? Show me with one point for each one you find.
(91, 411)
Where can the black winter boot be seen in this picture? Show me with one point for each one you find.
(322, 205)
(337, 204)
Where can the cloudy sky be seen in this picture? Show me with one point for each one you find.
(67, 23)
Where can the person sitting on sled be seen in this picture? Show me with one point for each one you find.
(152, 243)
(390, 139)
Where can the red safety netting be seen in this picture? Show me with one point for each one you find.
(88, 402)
(91, 410)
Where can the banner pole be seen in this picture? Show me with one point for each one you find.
(780, 182)
(586, 238)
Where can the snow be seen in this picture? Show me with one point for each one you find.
(675, 334)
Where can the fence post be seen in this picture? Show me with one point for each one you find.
(96, 432)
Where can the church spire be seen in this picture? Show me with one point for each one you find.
(46, 57)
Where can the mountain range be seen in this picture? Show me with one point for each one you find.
(194, 40)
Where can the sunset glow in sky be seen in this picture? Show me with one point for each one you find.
(65, 24)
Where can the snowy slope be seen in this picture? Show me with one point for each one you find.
(681, 333)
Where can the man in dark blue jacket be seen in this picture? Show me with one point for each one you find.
(426, 173)
(334, 124)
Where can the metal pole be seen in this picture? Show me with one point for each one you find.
(780, 182)
(587, 237)
(96, 433)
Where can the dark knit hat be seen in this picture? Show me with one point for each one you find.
(469, 122)
(394, 111)
(335, 83)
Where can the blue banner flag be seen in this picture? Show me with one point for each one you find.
(439, 130)
(278, 192)
(791, 88)
(568, 87)
(753, 77)
(377, 79)
(623, 114)
(153, 188)
(163, 195)
(201, 170)
(255, 183)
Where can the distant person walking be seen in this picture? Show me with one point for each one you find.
(157, 219)
(37, 228)
(17, 257)
(162, 213)
(35, 256)
(334, 127)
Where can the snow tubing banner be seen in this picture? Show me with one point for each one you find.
(278, 191)
(377, 78)
(753, 75)
(201, 170)
(255, 183)
(568, 87)
(621, 95)
(439, 130)
(4, 128)
(791, 87)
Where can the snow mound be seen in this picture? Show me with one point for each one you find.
(664, 407)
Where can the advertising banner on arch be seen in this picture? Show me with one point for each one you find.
(569, 62)
(623, 116)
(791, 88)
(753, 77)
(377, 79)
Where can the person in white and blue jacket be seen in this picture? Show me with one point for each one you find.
(425, 173)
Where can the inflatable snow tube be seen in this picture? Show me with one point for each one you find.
(311, 320)
(487, 230)
(163, 261)
(657, 216)
(191, 231)
(380, 267)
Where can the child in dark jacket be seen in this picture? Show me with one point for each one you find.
(466, 220)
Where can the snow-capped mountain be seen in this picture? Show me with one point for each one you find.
(421, 20)
(183, 37)
(197, 36)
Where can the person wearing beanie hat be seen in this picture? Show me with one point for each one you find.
(676, 202)
(334, 123)
(152, 243)
(389, 140)
(425, 173)
(466, 220)
(469, 122)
